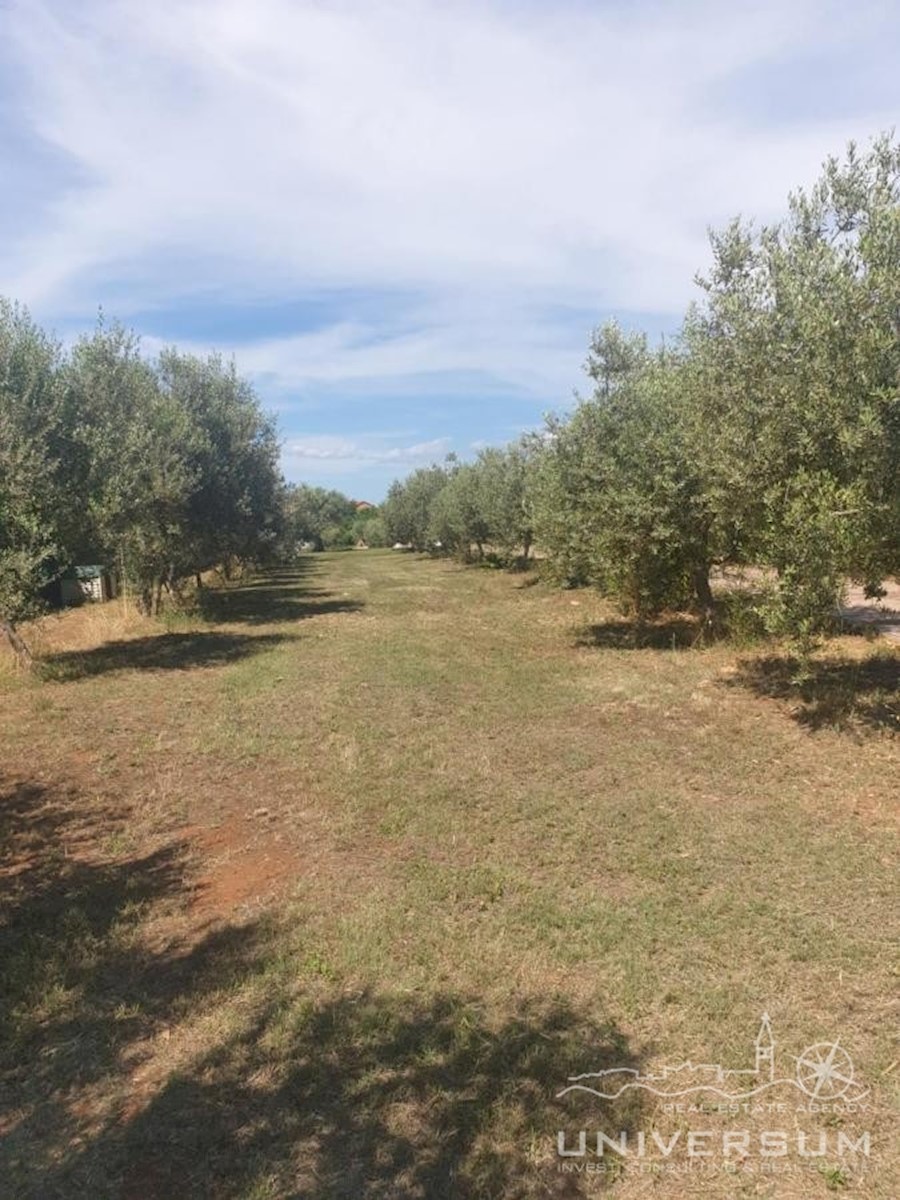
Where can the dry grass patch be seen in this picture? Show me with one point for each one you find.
(326, 891)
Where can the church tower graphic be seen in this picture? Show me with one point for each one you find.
(824, 1071)
(765, 1050)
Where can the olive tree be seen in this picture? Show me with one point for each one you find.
(408, 509)
(36, 500)
(316, 515)
(137, 445)
(233, 510)
(503, 500)
(797, 348)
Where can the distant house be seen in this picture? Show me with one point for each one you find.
(362, 505)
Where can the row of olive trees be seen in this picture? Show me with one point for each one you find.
(767, 434)
(466, 509)
(163, 468)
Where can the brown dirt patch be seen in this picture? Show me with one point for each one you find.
(240, 866)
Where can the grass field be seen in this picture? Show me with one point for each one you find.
(328, 892)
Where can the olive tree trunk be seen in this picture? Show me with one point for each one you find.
(705, 601)
(16, 641)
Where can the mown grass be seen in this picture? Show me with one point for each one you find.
(508, 849)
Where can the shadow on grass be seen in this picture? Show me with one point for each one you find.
(837, 693)
(672, 633)
(292, 1090)
(79, 986)
(270, 606)
(530, 578)
(53, 878)
(278, 597)
(736, 619)
(67, 918)
(290, 573)
(162, 652)
(379, 1095)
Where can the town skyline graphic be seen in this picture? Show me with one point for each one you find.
(822, 1072)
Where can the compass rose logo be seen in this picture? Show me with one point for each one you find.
(825, 1071)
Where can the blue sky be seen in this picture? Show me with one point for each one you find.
(404, 218)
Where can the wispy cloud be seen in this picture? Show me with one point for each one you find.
(570, 150)
(318, 454)
(512, 173)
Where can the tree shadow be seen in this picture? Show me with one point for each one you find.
(530, 578)
(294, 573)
(269, 606)
(81, 988)
(670, 633)
(162, 652)
(735, 618)
(67, 918)
(381, 1095)
(292, 1090)
(277, 597)
(849, 695)
(368, 1095)
(50, 866)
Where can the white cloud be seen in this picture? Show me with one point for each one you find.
(494, 159)
(317, 454)
(516, 351)
(447, 342)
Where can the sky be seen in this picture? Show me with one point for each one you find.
(404, 218)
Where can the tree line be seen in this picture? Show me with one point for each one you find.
(766, 434)
(162, 468)
(317, 518)
(467, 509)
